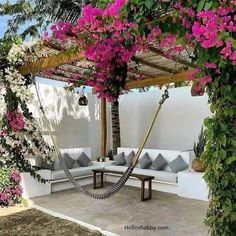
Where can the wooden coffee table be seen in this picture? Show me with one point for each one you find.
(142, 178)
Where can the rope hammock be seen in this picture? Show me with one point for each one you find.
(121, 182)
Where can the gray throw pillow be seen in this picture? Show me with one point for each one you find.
(129, 158)
(178, 164)
(159, 163)
(119, 159)
(83, 160)
(46, 165)
(68, 160)
(145, 161)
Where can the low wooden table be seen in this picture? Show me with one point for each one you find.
(142, 178)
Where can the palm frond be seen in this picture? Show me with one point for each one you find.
(43, 12)
(31, 31)
(19, 7)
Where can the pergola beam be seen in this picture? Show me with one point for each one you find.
(50, 62)
(146, 75)
(174, 58)
(155, 66)
(161, 80)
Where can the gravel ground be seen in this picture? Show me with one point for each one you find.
(19, 221)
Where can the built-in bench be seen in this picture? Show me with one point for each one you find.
(57, 177)
(164, 180)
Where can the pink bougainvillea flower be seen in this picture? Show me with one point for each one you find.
(198, 29)
(194, 74)
(231, 27)
(233, 56)
(206, 79)
(15, 175)
(16, 120)
(189, 37)
(177, 5)
(208, 43)
(3, 196)
(191, 12)
(226, 51)
(210, 65)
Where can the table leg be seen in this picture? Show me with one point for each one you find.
(102, 179)
(95, 180)
(150, 189)
(142, 190)
(143, 198)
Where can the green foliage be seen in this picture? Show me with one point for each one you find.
(199, 146)
(220, 154)
(5, 45)
(4, 176)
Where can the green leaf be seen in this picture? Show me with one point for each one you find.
(233, 216)
(222, 154)
(149, 3)
(223, 140)
(231, 160)
(233, 142)
(208, 5)
(234, 44)
(200, 5)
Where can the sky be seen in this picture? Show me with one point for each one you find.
(3, 28)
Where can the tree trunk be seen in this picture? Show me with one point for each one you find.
(103, 127)
(115, 119)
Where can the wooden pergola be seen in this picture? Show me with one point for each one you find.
(156, 68)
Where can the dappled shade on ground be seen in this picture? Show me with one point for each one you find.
(35, 222)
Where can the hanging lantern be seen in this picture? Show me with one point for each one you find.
(83, 101)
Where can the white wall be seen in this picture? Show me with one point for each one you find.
(178, 124)
(72, 125)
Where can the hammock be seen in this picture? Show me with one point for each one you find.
(121, 182)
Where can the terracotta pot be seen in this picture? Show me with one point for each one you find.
(198, 165)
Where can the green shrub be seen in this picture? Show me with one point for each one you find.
(10, 189)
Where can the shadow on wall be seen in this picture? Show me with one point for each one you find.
(71, 125)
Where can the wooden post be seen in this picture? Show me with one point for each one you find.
(103, 110)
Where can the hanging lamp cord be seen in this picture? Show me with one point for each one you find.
(121, 182)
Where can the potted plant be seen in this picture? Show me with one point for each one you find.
(198, 164)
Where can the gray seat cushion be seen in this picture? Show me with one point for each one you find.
(46, 165)
(159, 163)
(76, 172)
(119, 159)
(178, 164)
(129, 158)
(145, 161)
(164, 176)
(84, 160)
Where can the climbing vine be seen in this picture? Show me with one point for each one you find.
(20, 135)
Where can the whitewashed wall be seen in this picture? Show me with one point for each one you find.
(178, 123)
(177, 127)
(72, 125)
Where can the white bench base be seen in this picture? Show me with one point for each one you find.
(192, 185)
(34, 188)
(64, 184)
